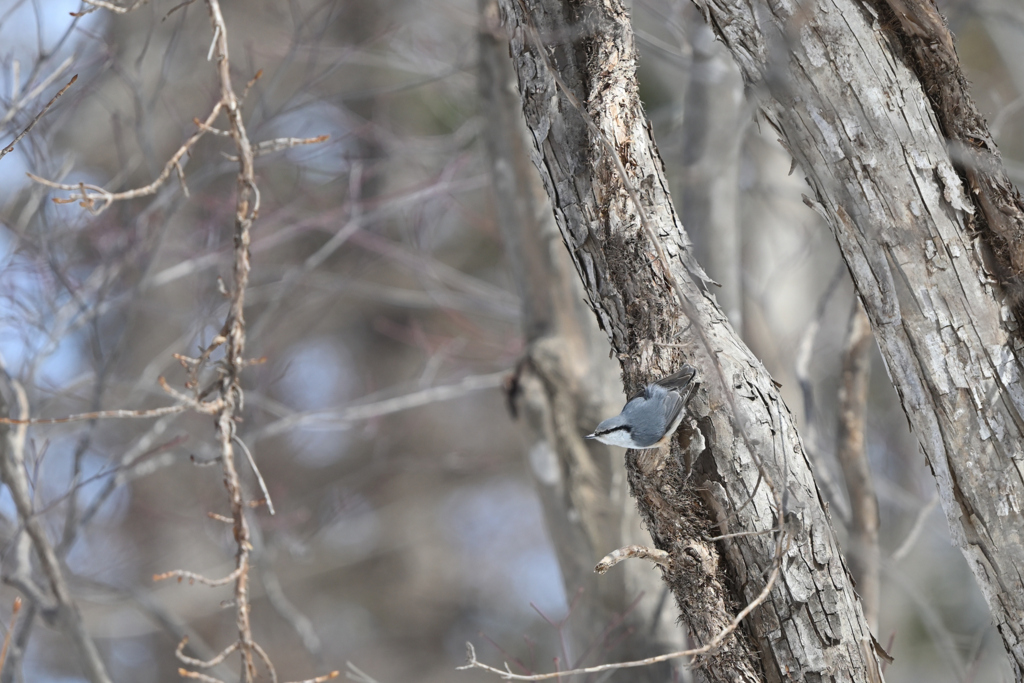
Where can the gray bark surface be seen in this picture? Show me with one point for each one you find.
(845, 85)
(737, 465)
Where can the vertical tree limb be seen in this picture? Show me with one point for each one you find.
(230, 390)
(863, 554)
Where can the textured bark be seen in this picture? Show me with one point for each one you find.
(565, 384)
(858, 121)
(737, 465)
(929, 51)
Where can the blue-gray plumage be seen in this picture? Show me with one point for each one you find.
(649, 418)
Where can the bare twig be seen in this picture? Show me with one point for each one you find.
(320, 679)
(193, 577)
(10, 148)
(659, 557)
(203, 663)
(229, 391)
(185, 673)
(266, 661)
(278, 144)
(256, 471)
(99, 415)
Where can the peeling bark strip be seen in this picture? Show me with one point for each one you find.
(865, 133)
(740, 454)
(928, 44)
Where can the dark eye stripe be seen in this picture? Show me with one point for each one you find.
(614, 429)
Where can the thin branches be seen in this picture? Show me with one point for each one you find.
(97, 199)
(14, 475)
(223, 399)
(193, 577)
(375, 409)
(10, 148)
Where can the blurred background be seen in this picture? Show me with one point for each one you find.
(382, 300)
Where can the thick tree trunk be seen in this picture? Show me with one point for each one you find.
(737, 465)
(565, 384)
(845, 84)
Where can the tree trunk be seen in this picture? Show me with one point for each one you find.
(866, 112)
(565, 384)
(737, 464)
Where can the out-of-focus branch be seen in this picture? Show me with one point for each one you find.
(851, 452)
(10, 632)
(415, 399)
(10, 148)
(907, 545)
(812, 439)
(13, 473)
(116, 9)
(98, 415)
(714, 123)
(19, 101)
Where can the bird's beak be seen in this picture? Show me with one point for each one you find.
(590, 436)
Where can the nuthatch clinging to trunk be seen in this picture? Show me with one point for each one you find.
(649, 418)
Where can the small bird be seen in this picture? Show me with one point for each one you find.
(649, 418)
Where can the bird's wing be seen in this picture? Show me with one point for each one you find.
(681, 382)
